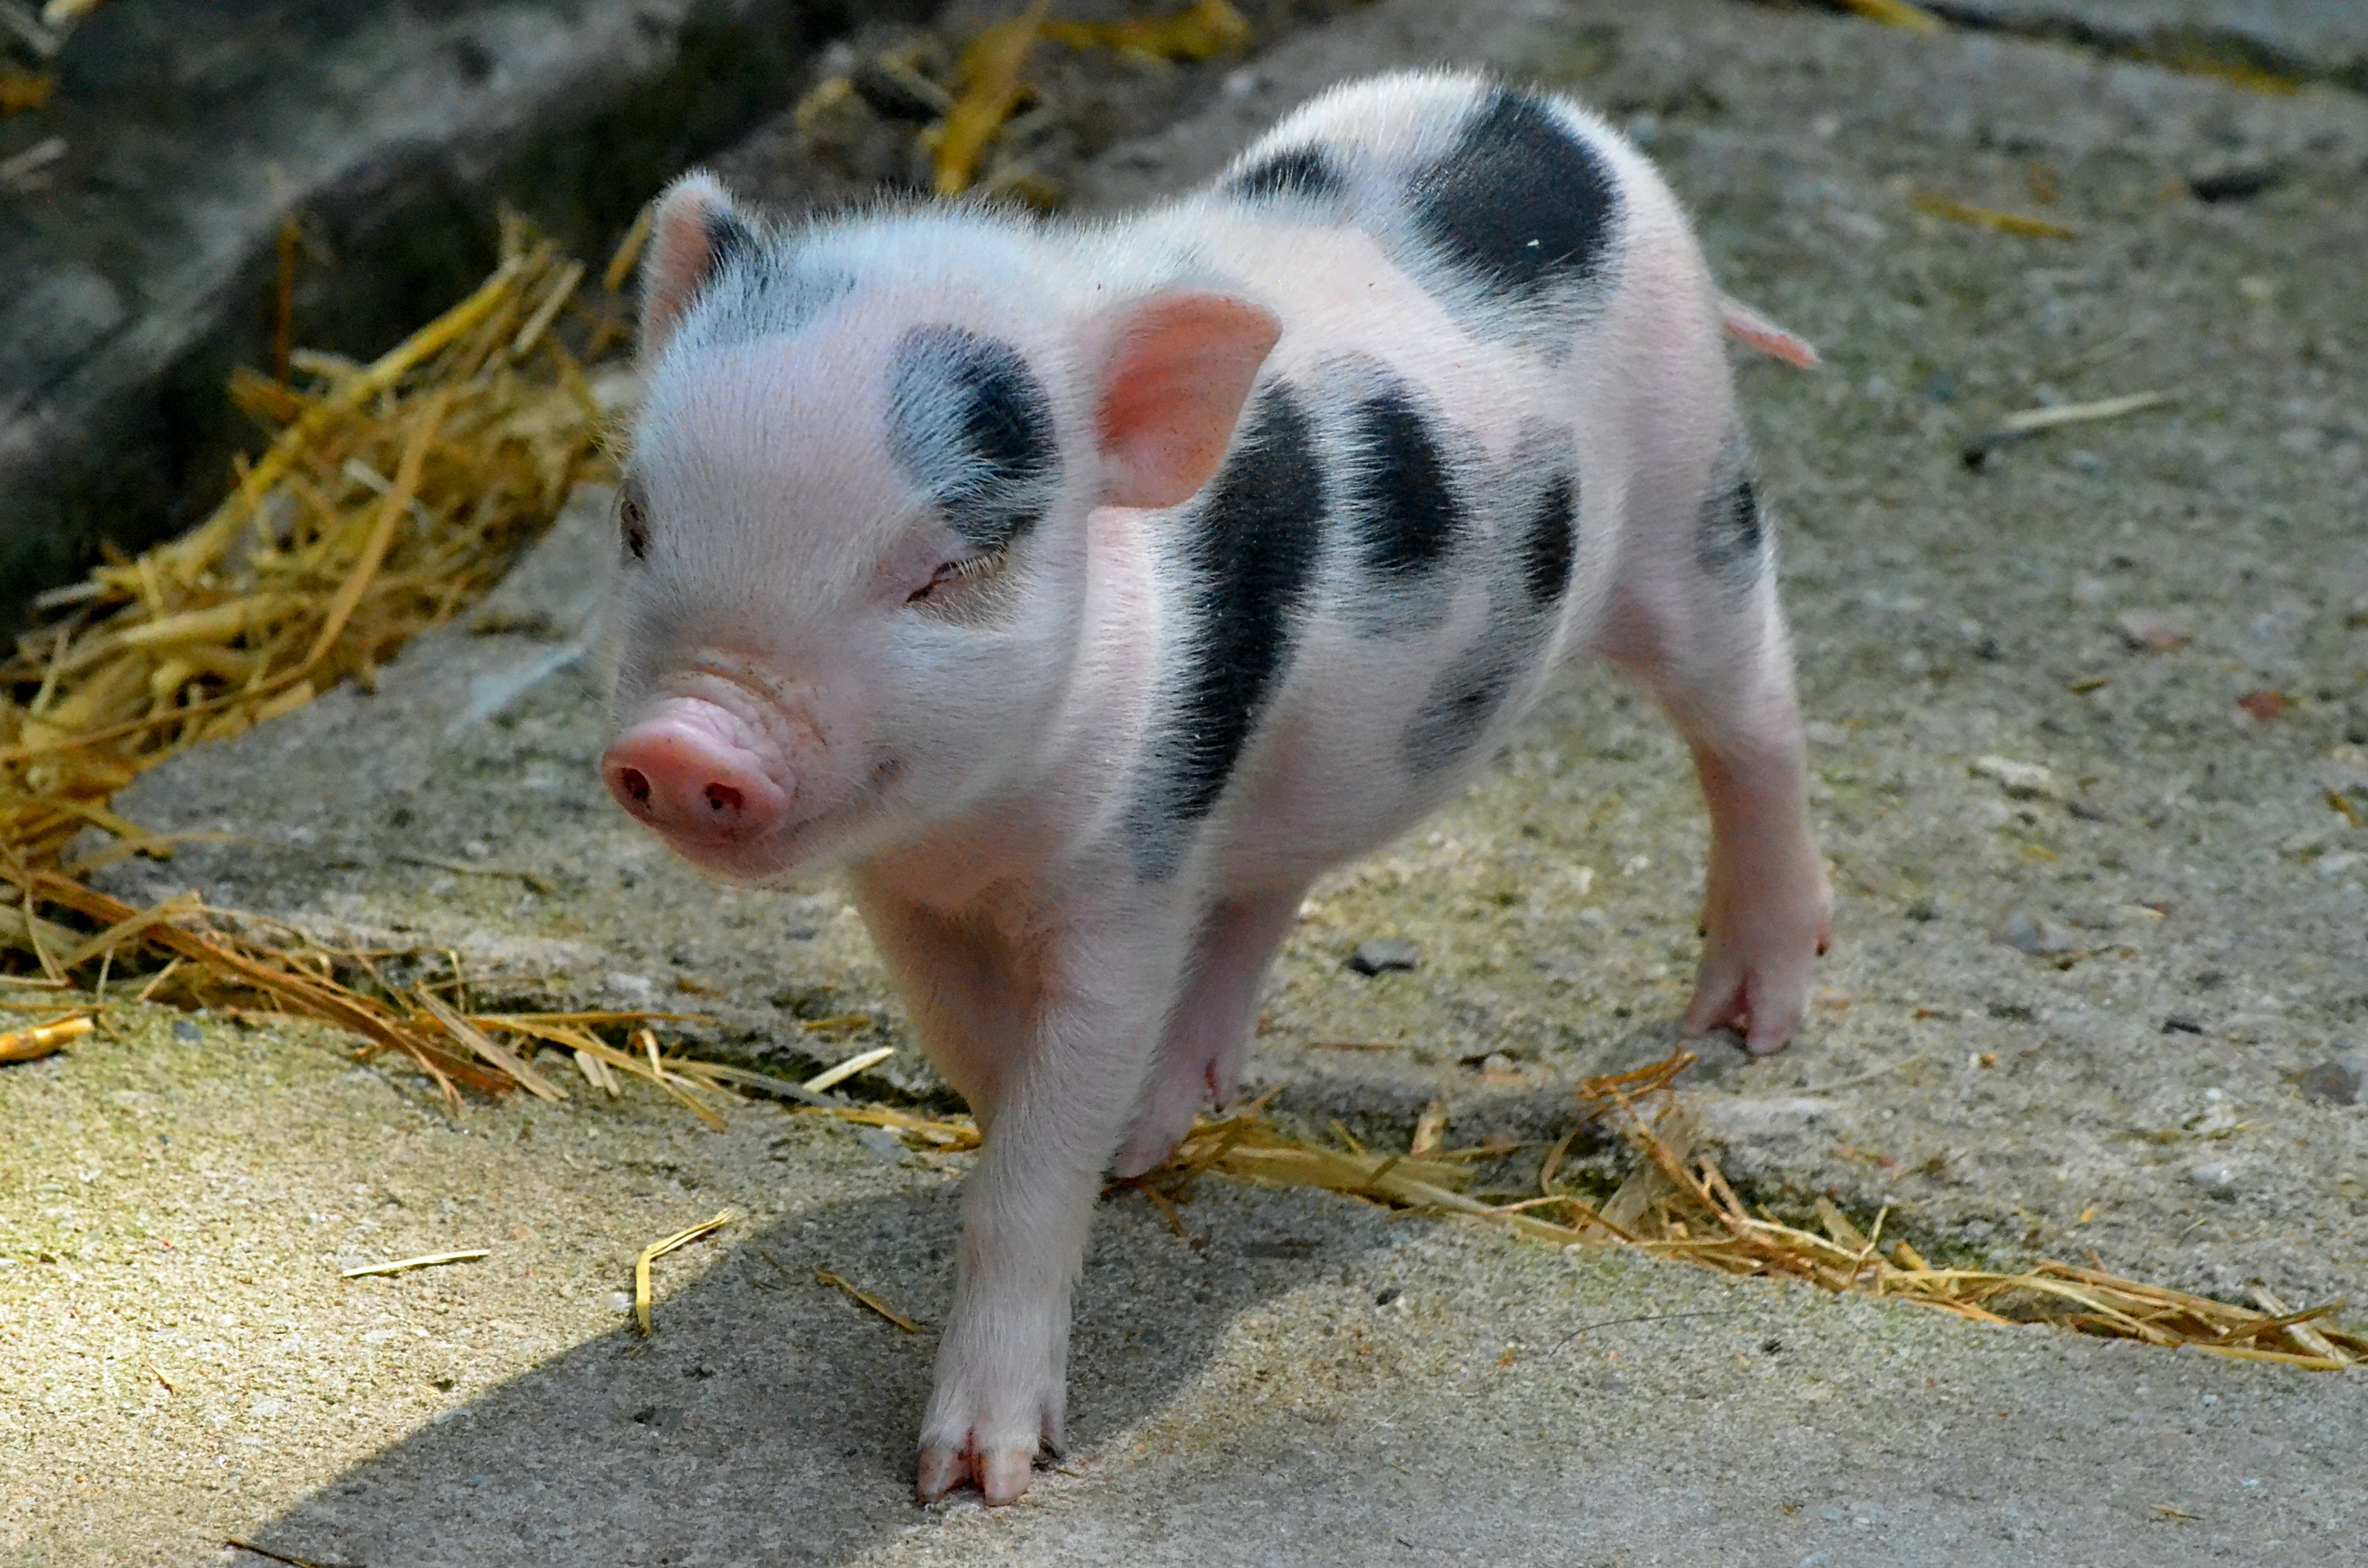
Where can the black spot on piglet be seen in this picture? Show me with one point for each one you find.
(971, 424)
(1253, 548)
(1549, 543)
(1304, 172)
(1729, 534)
(1410, 516)
(1522, 203)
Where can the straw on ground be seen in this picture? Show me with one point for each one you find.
(425, 1260)
(658, 1249)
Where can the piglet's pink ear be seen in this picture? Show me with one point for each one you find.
(1179, 370)
(696, 226)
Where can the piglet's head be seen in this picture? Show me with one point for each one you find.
(854, 522)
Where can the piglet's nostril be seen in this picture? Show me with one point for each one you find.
(694, 773)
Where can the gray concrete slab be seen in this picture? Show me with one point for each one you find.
(181, 1365)
(2188, 903)
(2319, 39)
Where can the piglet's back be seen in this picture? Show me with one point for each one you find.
(1524, 212)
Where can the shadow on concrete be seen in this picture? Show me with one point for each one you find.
(770, 1419)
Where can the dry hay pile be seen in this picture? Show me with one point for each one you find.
(396, 491)
(1677, 1204)
(393, 495)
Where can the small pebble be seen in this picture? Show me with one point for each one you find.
(2028, 933)
(2022, 780)
(2219, 1180)
(2338, 1081)
(187, 1033)
(1383, 953)
(880, 1142)
(2159, 631)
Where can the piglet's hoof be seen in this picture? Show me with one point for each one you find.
(1763, 996)
(1001, 1473)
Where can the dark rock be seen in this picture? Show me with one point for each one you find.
(145, 268)
(2237, 180)
(2338, 1081)
(1383, 953)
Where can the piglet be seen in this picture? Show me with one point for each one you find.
(1087, 590)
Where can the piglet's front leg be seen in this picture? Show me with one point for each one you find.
(1767, 911)
(1054, 1117)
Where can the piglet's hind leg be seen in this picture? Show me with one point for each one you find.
(1699, 619)
(1208, 1033)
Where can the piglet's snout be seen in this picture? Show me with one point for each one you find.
(692, 770)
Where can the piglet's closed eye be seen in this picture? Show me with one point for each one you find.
(1181, 369)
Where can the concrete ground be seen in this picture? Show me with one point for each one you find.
(2088, 1010)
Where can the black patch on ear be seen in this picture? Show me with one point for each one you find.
(1407, 512)
(1307, 173)
(1550, 541)
(1728, 537)
(729, 237)
(972, 426)
(1253, 549)
(776, 290)
(1522, 203)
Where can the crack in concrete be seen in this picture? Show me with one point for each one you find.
(2201, 48)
